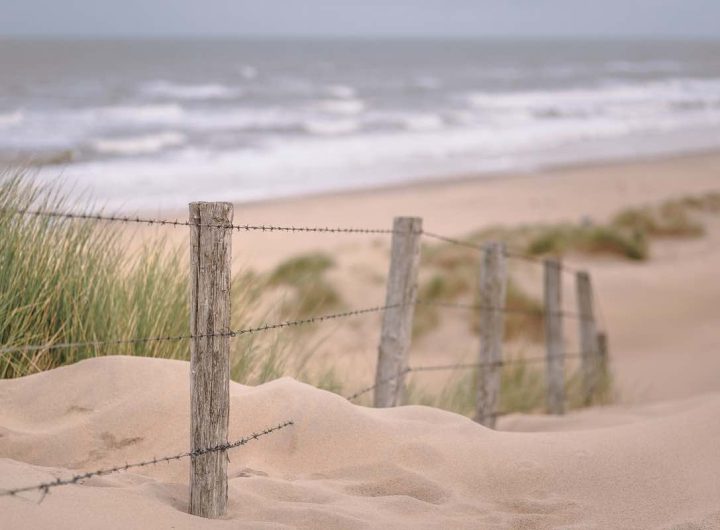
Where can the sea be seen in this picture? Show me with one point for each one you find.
(154, 124)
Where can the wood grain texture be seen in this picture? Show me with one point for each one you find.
(396, 331)
(492, 287)
(210, 256)
(555, 350)
(589, 352)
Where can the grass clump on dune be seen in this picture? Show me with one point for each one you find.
(669, 220)
(64, 281)
(522, 389)
(305, 275)
(68, 281)
(603, 239)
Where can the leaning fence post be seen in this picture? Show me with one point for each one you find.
(210, 255)
(589, 353)
(555, 365)
(397, 318)
(492, 304)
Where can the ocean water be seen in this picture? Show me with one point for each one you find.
(155, 124)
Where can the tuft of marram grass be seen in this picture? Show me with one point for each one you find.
(602, 239)
(305, 275)
(67, 281)
(522, 389)
(671, 219)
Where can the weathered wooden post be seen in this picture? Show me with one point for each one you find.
(397, 320)
(589, 353)
(493, 280)
(555, 365)
(210, 255)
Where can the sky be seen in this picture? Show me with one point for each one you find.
(358, 18)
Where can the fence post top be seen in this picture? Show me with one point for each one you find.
(408, 218)
(205, 203)
(494, 246)
(582, 275)
(402, 222)
(552, 262)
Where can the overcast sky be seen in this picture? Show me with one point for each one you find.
(402, 18)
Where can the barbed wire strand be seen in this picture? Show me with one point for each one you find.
(231, 334)
(46, 486)
(509, 253)
(165, 222)
(365, 390)
(457, 366)
(267, 228)
(262, 328)
(511, 310)
(453, 241)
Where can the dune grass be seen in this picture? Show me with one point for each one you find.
(312, 293)
(671, 219)
(67, 281)
(561, 239)
(522, 389)
(629, 232)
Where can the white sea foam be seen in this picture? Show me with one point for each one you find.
(658, 94)
(643, 67)
(11, 118)
(331, 127)
(346, 106)
(142, 114)
(168, 89)
(139, 145)
(341, 91)
(307, 165)
(424, 122)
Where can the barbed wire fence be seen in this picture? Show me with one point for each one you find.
(211, 224)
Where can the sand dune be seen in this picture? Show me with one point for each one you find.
(344, 466)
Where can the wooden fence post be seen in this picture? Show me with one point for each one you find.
(210, 256)
(555, 365)
(589, 353)
(493, 279)
(397, 320)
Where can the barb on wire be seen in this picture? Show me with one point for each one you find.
(46, 486)
(231, 334)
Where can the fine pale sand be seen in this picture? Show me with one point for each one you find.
(651, 461)
(343, 466)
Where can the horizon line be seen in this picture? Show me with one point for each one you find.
(359, 37)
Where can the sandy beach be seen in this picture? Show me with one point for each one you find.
(650, 460)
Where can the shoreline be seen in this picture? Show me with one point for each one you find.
(454, 179)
